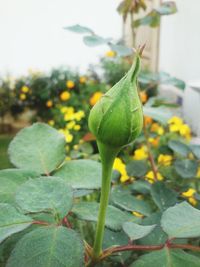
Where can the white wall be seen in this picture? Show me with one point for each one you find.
(32, 35)
(180, 41)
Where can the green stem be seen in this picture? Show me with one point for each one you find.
(107, 158)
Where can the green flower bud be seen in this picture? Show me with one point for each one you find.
(117, 118)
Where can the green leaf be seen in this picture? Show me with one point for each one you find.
(186, 168)
(179, 147)
(89, 211)
(114, 238)
(195, 150)
(167, 258)
(159, 114)
(12, 221)
(152, 19)
(81, 174)
(141, 187)
(78, 29)
(175, 82)
(163, 196)
(48, 194)
(95, 40)
(167, 8)
(122, 198)
(82, 192)
(137, 168)
(111, 239)
(10, 180)
(181, 221)
(157, 236)
(86, 148)
(48, 247)
(169, 173)
(121, 50)
(38, 148)
(136, 231)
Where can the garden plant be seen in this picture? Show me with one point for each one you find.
(57, 212)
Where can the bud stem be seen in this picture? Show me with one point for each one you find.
(107, 159)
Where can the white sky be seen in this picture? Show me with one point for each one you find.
(32, 35)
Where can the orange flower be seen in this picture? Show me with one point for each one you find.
(65, 96)
(49, 103)
(70, 84)
(143, 97)
(95, 98)
(147, 120)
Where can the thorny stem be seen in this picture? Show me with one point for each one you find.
(150, 156)
(107, 158)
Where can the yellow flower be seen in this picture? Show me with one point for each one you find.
(68, 113)
(49, 103)
(65, 96)
(175, 120)
(82, 79)
(189, 194)
(70, 125)
(185, 131)
(79, 115)
(140, 153)
(70, 84)
(63, 109)
(95, 98)
(77, 127)
(68, 137)
(165, 160)
(75, 147)
(174, 128)
(51, 122)
(25, 89)
(176, 125)
(138, 214)
(22, 97)
(110, 53)
(121, 168)
(67, 158)
(151, 178)
(192, 201)
(143, 97)
(68, 117)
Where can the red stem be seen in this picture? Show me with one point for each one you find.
(40, 223)
(148, 248)
(66, 222)
(132, 247)
(150, 156)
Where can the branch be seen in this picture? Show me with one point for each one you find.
(40, 223)
(185, 246)
(150, 156)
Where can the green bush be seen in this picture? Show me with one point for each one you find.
(49, 206)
